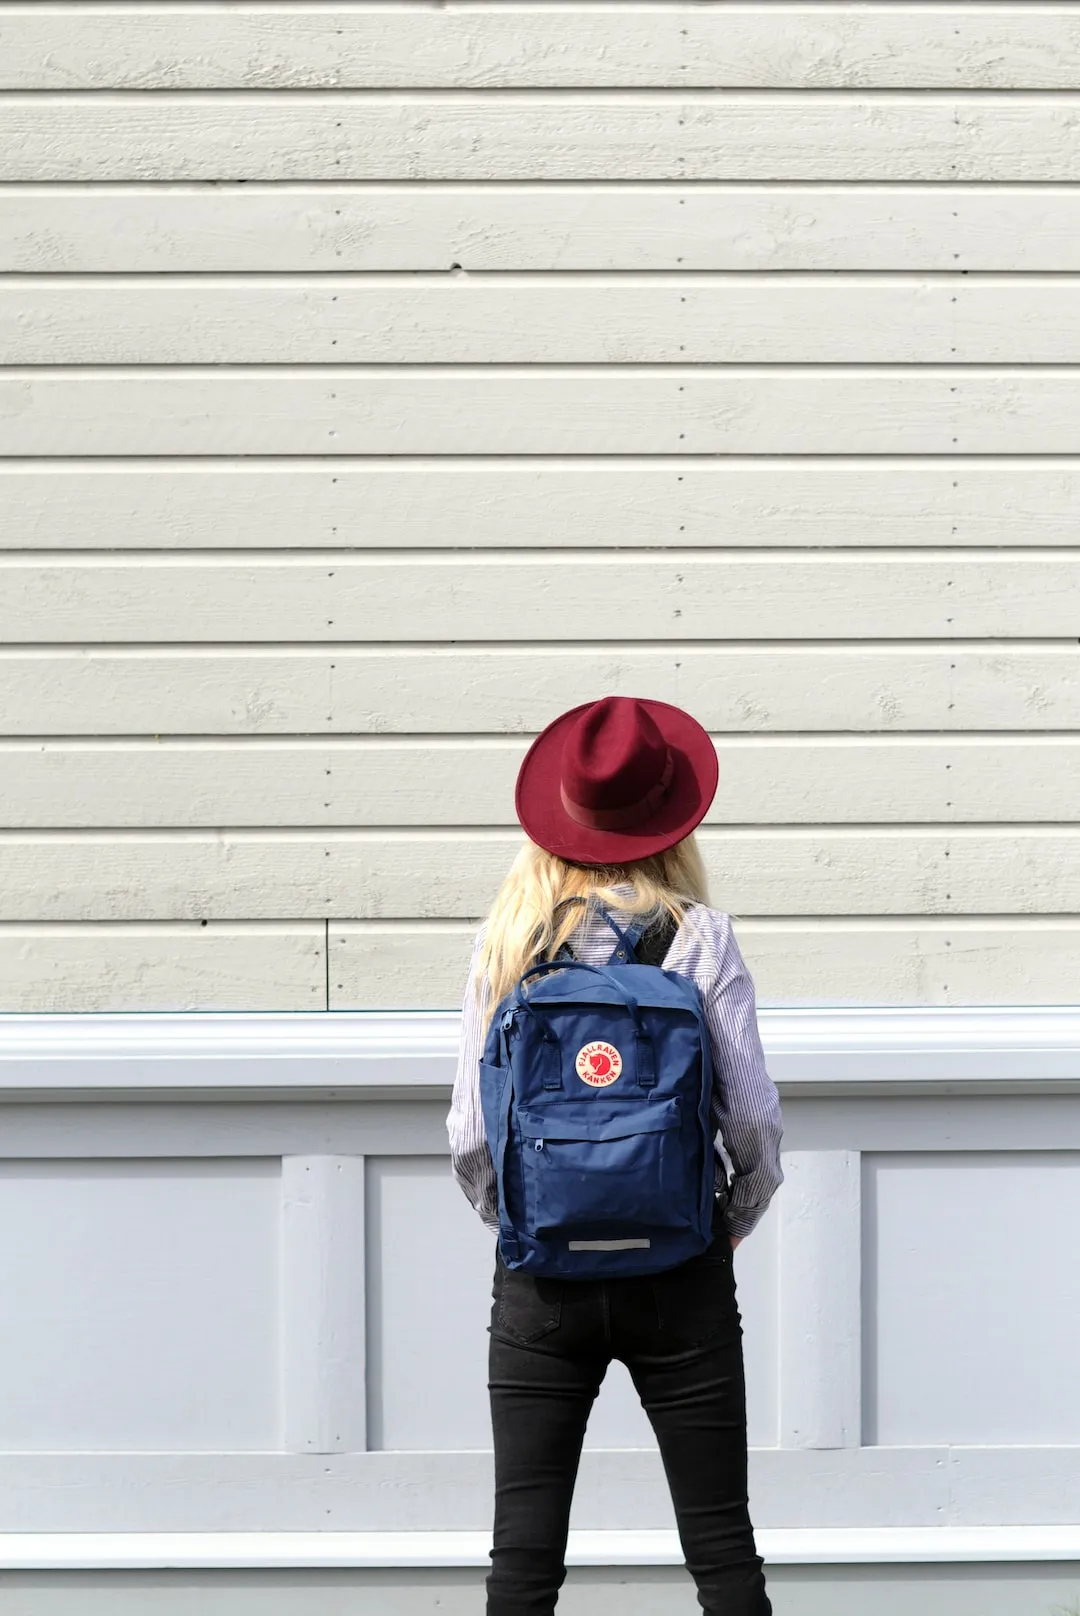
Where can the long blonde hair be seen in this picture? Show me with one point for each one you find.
(523, 926)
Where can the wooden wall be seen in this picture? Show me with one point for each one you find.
(380, 380)
(240, 1293)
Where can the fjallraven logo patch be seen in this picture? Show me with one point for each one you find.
(598, 1064)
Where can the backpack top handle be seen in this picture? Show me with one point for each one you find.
(646, 1058)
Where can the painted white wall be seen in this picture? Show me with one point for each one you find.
(342, 368)
(240, 1293)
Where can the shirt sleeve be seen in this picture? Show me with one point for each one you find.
(470, 1158)
(746, 1106)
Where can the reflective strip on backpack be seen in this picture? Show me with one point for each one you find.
(610, 1245)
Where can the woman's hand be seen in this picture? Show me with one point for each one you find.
(736, 1240)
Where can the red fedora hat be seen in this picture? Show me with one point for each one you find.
(616, 780)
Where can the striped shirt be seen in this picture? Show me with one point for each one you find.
(745, 1104)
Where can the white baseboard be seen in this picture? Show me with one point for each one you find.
(144, 1551)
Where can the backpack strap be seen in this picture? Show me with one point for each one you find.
(626, 941)
(566, 952)
(653, 946)
(633, 945)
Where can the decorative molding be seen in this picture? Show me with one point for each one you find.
(351, 1055)
(323, 1296)
(820, 1285)
(331, 1054)
(449, 1490)
(145, 1551)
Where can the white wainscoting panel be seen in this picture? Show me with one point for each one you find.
(973, 1298)
(139, 1304)
(240, 1292)
(429, 1267)
(430, 1261)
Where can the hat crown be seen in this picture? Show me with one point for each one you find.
(616, 780)
(614, 756)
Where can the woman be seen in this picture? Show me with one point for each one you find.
(609, 796)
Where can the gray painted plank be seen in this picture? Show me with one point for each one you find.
(752, 46)
(465, 410)
(451, 1491)
(979, 1485)
(172, 966)
(228, 875)
(872, 1121)
(323, 1337)
(536, 226)
(779, 595)
(383, 781)
(563, 319)
(933, 960)
(528, 503)
(506, 135)
(126, 966)
(821, 1316)
(345, 690)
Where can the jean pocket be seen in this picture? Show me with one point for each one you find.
(695, 1302)
(525, 1309)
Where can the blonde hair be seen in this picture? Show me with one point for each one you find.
(523, 926)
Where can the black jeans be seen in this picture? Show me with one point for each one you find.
(680, 1335)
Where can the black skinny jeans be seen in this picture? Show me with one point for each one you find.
(680, 1335)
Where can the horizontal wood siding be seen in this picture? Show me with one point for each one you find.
(303, 47)
(768, 596)
(766, 780)
(924, 959)
(172, 965)
(506, 135)
(383, 689)
(552, 319)
(471, 410)
(431, 874)
(538, 503)
(232, 226)
(378, 381)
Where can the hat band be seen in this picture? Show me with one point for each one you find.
(631, 813)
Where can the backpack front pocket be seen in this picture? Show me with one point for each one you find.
(583, 1171)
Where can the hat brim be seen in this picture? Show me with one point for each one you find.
(541, 814)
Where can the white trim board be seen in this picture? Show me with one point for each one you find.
(142, 1551)
(346, 1054)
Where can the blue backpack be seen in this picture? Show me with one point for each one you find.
(596, 1084)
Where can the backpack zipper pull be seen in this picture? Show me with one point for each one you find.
(539, 1144)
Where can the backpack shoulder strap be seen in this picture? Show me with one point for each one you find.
(650, 949)
(653, 947)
